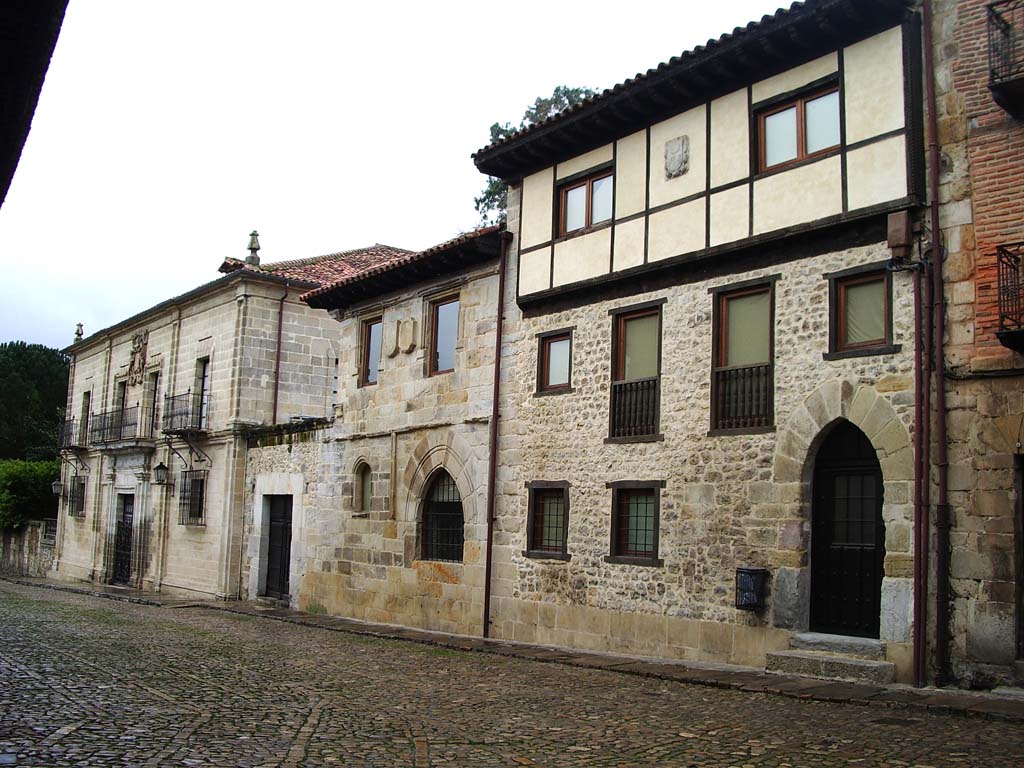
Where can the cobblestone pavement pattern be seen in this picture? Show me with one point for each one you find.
(85, 682)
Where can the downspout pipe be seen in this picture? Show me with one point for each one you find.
(920, 575)
(942, 511)
(492, 447)
(277, 353)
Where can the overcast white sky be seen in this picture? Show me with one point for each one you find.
(167, 130)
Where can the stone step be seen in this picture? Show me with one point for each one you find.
(842, 645)
(831, 666)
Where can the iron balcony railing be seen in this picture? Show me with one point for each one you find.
(1008, 259)
(1005, 41)
(120, 424)
(67, 434)
(743, 397)
(185, 413)
(634, 408)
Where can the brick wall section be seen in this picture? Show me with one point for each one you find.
(982, 178)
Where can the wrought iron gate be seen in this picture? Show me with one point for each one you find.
(123, 538)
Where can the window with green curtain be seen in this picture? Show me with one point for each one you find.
(865, 312)
(640, 353)
(747, 329)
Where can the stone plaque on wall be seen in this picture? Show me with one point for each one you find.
(677, 156)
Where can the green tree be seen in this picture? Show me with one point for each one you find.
(33, 393)
(26, 491)
(492, 200)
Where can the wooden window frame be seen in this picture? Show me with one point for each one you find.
(364, 350)
(838, 282)
(537, 489)
(435, 305)
(587, 181)
(620, 491)
(800, 102)
(719, 340)
(618, 348)
(544, 341)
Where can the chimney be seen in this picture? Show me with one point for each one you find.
(254, 245)
(79, 333)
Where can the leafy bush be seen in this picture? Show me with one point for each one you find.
(25, 492)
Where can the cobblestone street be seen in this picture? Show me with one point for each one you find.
(90, 682)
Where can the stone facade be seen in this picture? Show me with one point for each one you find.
(231, 324)
(982, 206)
(365, 560)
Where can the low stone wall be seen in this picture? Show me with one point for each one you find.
(26, 552)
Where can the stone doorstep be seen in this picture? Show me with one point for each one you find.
(840, 645)
(831, 666)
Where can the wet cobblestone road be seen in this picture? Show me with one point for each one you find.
(87, 682)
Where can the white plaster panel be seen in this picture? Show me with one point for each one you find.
(583, 257)
(798, 196)
(631, 174)
(538, 199)
(873, 74)
(692, 123)
(876, 173)
(676, 231)
(730, 138)
(730, 215)
(585, 161)
(629, 245)
(795, 78)
(534, 271)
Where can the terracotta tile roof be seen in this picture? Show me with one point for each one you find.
(839, 17)
(326, 269)
(408, 257)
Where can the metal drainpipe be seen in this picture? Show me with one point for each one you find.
(942, 512)
(277, 354)
(492, 463)
(920, 576)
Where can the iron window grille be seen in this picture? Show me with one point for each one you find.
(192, 498)
(636, 512)
(1010, 284)
(76, 496)
(49, 530)
(443, 534)
(548, 520)
(1005, 40)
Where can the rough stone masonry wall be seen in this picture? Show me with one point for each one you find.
(982, 206)
(366, 563)
(728, 500)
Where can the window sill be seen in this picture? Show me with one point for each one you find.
(887, 349)
(650, 562)
(360, 515)
(581, 232)
(741, 431)
(636, 439)
(790, 165)
(534, 554)
(558, 391)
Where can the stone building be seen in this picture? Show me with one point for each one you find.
(159, 407)
(979, 76)
(381, 515)
(711, 353)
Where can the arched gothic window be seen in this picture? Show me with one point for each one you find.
(442, 520)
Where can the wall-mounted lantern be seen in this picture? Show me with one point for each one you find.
(57, 486)
(751, 585)
(160, 474)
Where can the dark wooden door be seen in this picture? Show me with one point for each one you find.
(279, 550)
(123, 538)
(847, 536)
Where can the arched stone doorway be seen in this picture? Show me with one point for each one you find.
(847, 535)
